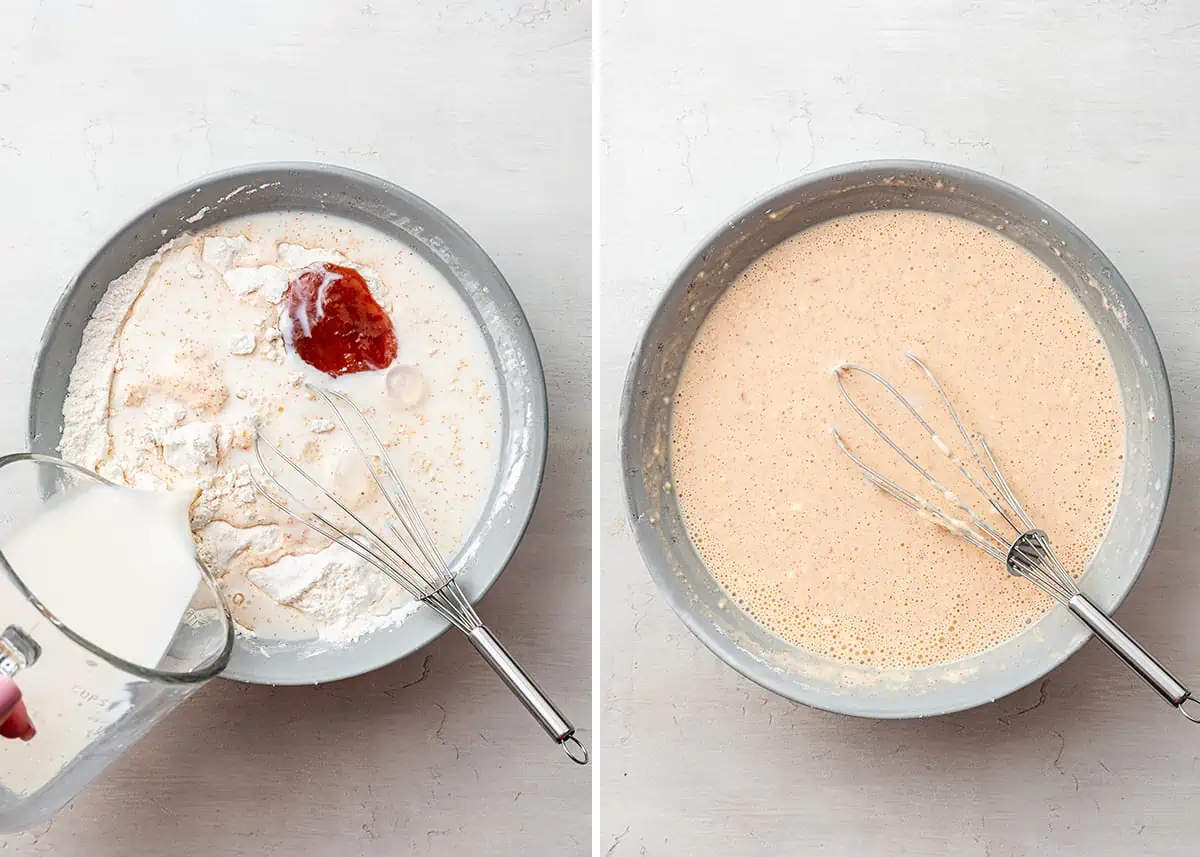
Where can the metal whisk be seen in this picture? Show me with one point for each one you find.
(1011, 537)
(409, 556)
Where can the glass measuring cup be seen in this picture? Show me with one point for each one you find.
(88, 705)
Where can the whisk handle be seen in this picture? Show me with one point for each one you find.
(1130, 651)
(525, 689)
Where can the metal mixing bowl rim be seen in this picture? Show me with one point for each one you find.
(541, 420)
(723, 646)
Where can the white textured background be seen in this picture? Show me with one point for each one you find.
(481, 108)
(1095, 108)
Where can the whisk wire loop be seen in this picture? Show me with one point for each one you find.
(974, 528)
(423, 555)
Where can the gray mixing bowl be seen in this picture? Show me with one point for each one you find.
(645, 438)
(372, 201)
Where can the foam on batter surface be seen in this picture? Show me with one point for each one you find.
(788, 525)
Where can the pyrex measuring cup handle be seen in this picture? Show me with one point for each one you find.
(1135, 657)
(523, 686)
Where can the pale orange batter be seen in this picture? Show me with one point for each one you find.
(787, 523)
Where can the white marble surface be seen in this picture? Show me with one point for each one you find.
(1092, 107)
(480, 107)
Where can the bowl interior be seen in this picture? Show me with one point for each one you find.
(371, 201)
(645, 438)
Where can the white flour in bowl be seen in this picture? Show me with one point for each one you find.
(185, 357)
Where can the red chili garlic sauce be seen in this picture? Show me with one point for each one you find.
(337, 326)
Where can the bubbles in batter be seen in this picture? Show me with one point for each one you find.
(406, 385)
(787, 524)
